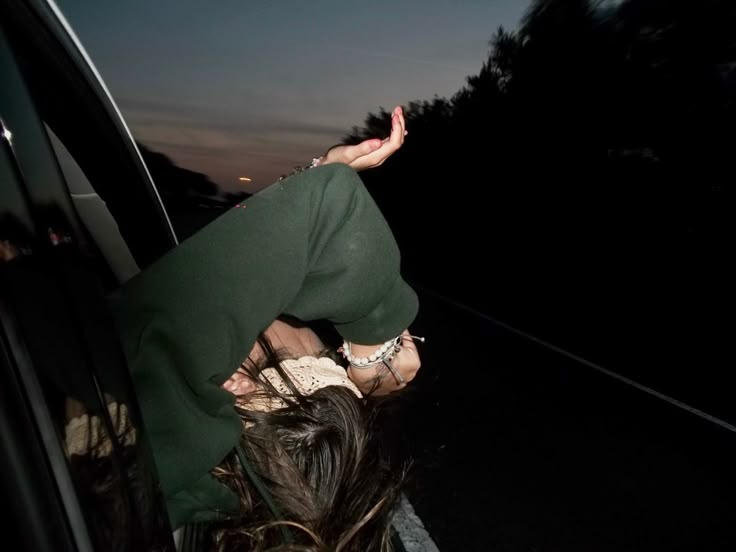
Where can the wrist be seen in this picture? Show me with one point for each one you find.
(366, 356)
(316, 162)
(332, 155)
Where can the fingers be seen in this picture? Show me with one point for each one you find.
(398, 128)
(407, 362)
(239, 384)
(396, 138)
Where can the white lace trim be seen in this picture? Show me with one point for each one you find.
(87, 434)
(308, 374)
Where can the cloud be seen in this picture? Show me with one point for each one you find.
(395, 57)
(224, 150)
(154, 113)
(163, 108)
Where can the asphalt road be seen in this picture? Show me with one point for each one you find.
(518, 448)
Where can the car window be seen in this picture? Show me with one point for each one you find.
(79, 455)
(94, 213)
(71, 103)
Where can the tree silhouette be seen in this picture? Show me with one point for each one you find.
(176, 182)
(587, 162)
(191, 199)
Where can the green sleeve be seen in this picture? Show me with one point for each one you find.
(314, 246)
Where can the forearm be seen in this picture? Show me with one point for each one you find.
(354, 277)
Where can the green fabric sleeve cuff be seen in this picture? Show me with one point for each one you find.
(395, 313)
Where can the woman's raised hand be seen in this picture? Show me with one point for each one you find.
(372, 152)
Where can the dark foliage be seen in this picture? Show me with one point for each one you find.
(577, 185)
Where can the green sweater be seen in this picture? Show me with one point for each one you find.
(314, 246)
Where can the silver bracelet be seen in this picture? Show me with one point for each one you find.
(296, 170)
(383, 354)
(385, 351)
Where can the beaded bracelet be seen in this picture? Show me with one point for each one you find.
(385, 351)
(296, 170)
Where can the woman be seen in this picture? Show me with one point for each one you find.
(313, 246)
(313, 465)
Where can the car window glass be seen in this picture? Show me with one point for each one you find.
(74, 106)
(94, 213)
(53, 287)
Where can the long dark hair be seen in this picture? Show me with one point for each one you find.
(320, 466)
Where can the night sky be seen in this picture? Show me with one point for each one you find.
(253, 88)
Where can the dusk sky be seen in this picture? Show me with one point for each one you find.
(253, 88)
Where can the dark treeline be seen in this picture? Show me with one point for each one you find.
(191, 199)
(577, 186)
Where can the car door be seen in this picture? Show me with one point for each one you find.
(78, 217)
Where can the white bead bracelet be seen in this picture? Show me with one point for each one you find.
(385, 351)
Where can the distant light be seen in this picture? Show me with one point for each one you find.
(245, 179)
(7, 135)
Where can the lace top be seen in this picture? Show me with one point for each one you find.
(87, 434)
(308, 374)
